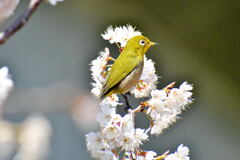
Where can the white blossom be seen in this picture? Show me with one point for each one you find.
(94, 142)
(34, 139)
(164, 108)
(106, 155)
(105, 115)
(147, 81)
(7, 139)
(159, 94)
(182, 153)
(127, 140)
(111, 100)
(109, 34)
(7, 8)
(112, 131)
(98, 65)
(179, 98)
(6, 84)
(120, 34)
(98, 69)
(162, 122)
(132, 139)
(98, 147)
(97, 88)
(127, 123)
(116, 131)
(113, 128)
(140, 136)
(54, 2)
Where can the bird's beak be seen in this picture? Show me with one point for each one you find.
(153, 43)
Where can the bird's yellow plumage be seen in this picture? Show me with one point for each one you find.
(127, 68)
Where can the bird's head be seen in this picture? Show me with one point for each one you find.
(140, 44)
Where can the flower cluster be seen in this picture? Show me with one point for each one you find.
(31, 136)
(120, 34)
(165, 106)
(29, 139)
(34, 138)
(99, 72)
(118, 138)
(116, 132)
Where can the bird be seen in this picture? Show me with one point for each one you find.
(127, 69)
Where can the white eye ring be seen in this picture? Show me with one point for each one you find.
(142, 42)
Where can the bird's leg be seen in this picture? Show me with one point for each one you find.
(128, 106)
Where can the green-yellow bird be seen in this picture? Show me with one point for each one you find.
(127, 68)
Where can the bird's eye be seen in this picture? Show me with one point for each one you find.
(142, 42)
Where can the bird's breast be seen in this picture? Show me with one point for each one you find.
(131, 79)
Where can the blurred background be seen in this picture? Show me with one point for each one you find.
(199, 43)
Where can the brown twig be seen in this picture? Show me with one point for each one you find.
(164, 155)
(139, 108)
(168, 88)
(20, 21)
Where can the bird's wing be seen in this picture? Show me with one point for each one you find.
(120, 69)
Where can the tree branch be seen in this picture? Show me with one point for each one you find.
(20, 21)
